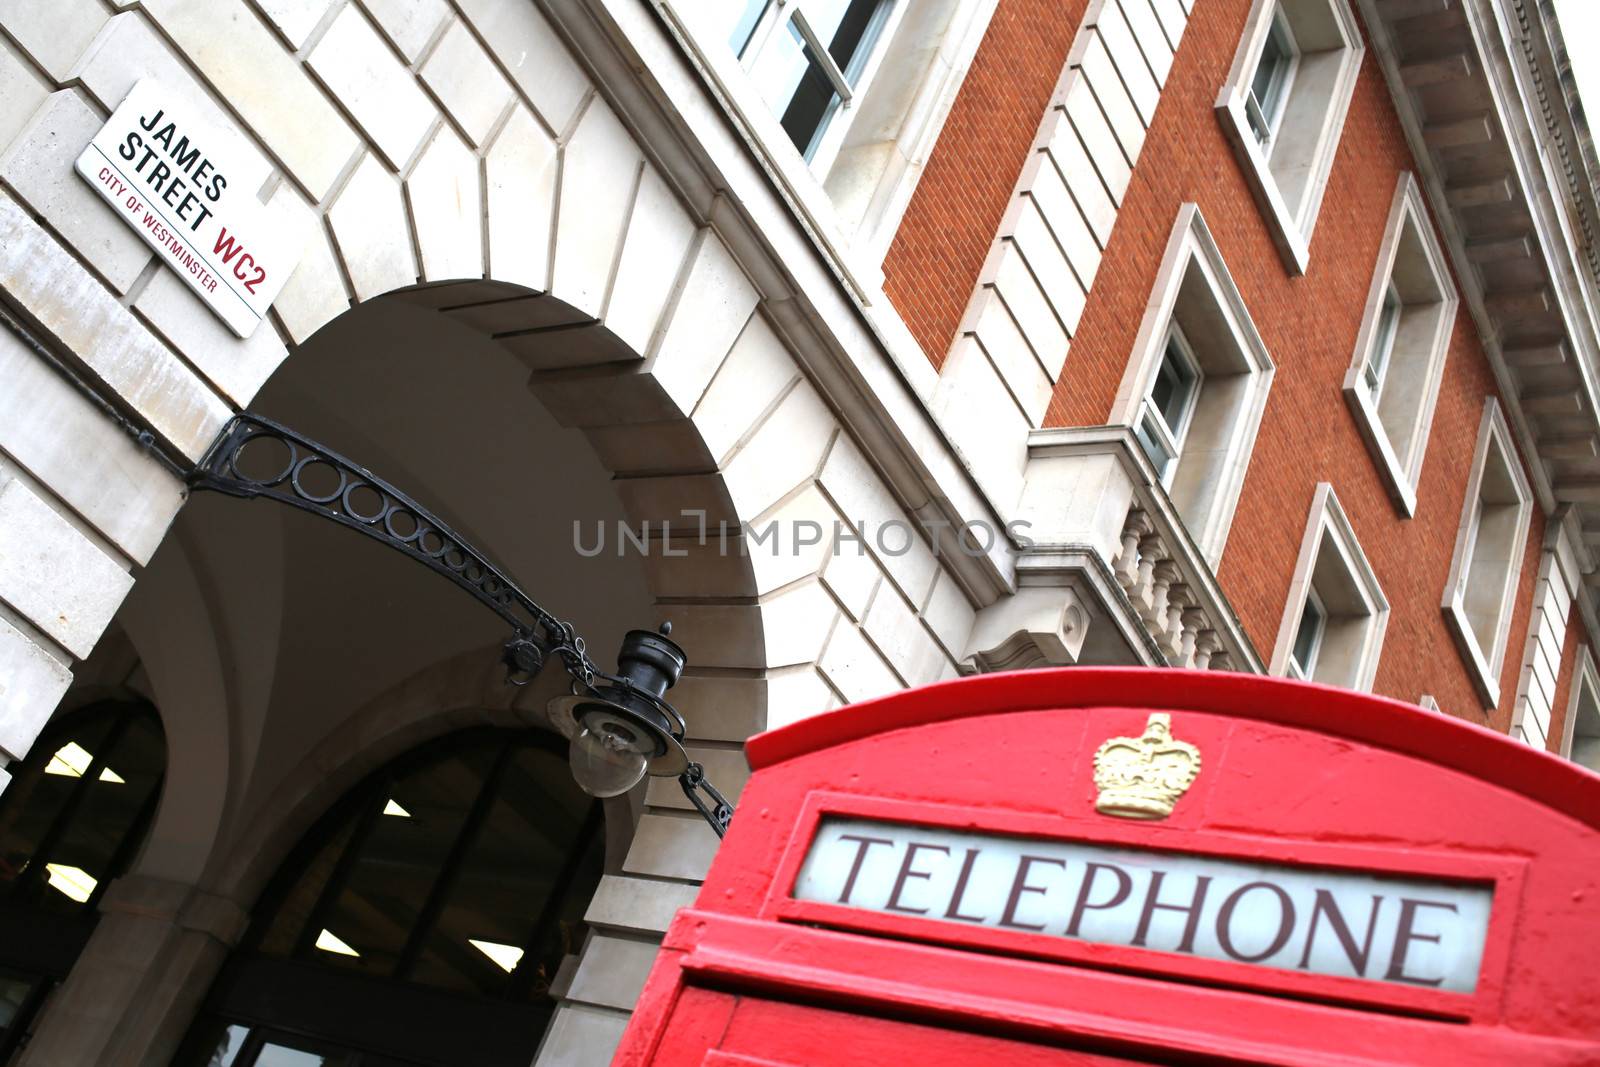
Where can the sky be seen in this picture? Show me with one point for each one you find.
(1580, 25)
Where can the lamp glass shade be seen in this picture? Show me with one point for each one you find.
(607, 755)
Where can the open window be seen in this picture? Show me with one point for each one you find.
(1169, 406)
(1269, 85)
(1581, 738)
(863, 105)
(807, 57)
(1392, 385)
(1481, 593)
(1284, 105)
(1196, 384)
(1334, 622)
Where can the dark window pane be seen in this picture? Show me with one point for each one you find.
(397, 862)
(41, 790)
(14, 992)
(114, 798)
(517, 862)
(290, 918)
(1307, 634)
(814, 98)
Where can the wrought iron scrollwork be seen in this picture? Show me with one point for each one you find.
(257, 457)
(719, 813)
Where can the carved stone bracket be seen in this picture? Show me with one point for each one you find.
(1039, 626)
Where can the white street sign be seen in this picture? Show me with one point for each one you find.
(169, 175)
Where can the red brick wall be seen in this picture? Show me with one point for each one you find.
(933, 263)
(1309, 325)
(1567, 671)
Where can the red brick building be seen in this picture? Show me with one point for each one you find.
(1415, 64)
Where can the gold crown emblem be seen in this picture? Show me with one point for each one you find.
(1143, 777)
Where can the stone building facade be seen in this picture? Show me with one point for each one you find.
(1250, 335)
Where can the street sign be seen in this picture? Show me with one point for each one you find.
(177, 181)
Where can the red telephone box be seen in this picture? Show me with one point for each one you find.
(1092, 866)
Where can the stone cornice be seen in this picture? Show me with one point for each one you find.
(1498, 145)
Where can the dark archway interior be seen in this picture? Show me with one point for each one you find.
(454, 879)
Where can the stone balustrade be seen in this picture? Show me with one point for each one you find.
(1163, 600)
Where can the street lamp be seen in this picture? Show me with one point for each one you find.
(622, 726)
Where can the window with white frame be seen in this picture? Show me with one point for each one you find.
(1334, 622)
(1481, 592)
(1269, 86)
(1284, 105)
(1388, 324)
(1392, 385)
(807, 58)
(1196, 384)
(1581, 737)
(1308, 634)
(1170, 405)
(901, 62)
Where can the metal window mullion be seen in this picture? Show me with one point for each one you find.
(340, 875)
(69, 811)
(820, 56)
(450, 871)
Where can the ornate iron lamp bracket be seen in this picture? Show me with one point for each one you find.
(257, 457)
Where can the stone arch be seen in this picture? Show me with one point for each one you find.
(465, 691)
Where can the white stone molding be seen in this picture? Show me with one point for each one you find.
(1289, 177)
(1194, 289)
(1094, 491)
(1036, 627)
(1479, 597)
(1395, 425)
(1332, 564)
(1556, 590)
(1014, 337)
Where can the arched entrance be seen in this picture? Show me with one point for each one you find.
(300, 657)
(422, 920)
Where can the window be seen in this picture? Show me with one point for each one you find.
(1170, 405)
(1283, 106)
(1269, 88)
(1479, 597)
(1392, 385)
(1333, 627)
(902, 75)
(1308, 637)
(806, 57)
(1383, 341)
(452, 882)
(1196, 384)
(1581, 743)
(71, 821)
